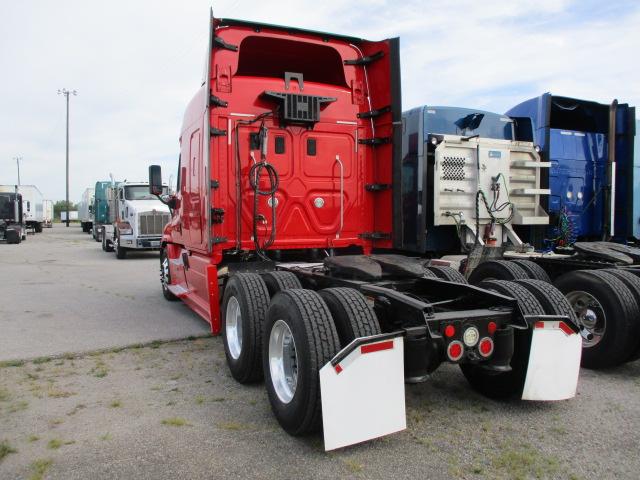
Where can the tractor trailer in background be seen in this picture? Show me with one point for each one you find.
(473, 179)
(285, 233)
(85, 210)
(47, 213)
(12, 229)
(32, 205)
(100, 208)
(136, 218)
(591, 183)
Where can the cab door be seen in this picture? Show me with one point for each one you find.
(195, 197)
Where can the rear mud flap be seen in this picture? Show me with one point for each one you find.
(554, 362)
(363, 391)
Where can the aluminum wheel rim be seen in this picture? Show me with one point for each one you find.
(590, 315)
(283, 361)
(165, 272)
(233, 329)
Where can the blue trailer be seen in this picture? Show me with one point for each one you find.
(591, 184)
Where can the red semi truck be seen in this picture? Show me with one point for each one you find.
(282, 238)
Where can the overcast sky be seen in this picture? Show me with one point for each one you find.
(136, 64)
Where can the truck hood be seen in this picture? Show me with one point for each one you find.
(142, 206)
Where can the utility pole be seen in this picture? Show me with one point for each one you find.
(17, 159)
(66, 93)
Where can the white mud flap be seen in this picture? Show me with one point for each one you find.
(363, 391)
(554, 362)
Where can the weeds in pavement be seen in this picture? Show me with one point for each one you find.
(33, 438)
(353, 466)
(115, 404)
(6, 449)
(175, 422)
(12, 363)
(39, 468)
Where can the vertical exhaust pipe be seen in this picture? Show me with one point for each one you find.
(610, 190)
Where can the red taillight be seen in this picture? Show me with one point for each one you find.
(455, 350)
(449, 331)
(485, 347)
(491, 328)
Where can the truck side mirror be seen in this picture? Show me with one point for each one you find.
(155, 180)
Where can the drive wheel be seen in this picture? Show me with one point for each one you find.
(121, 252)
(165, 276)
(448, 273)
(506, 384)
(244, 307)
(535, 271)
(299, 340)
(633, 283)
(352, 315)
(104, 241)
(278, 281)
(38, 228)
(605, 307)
(496, 270)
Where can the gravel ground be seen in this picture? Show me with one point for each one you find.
(171, 409)
(67, 295)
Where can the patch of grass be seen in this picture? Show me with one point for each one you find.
(4, 395)
(33, 438)
(12, 363)
(55, 393)
(41, 360)
(199, 399)
(525, 462)
(6, 449)
(39, 468)
(175, 377)
(219, 399)
(171, 403)
(105, 437)
(115, 404)
(100, 372)
(155, 344)
(56, 443)
(233, 426)
(32, 376)
(353, 466)
(175, 422)
(18, 406)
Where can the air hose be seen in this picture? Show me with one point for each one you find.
(254, 180)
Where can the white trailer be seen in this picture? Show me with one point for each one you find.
(85, 210)
(73, 216)
(47, 213)
(32, 205)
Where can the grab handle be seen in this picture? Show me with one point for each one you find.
(341, 195)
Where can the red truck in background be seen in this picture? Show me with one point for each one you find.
(282, 234)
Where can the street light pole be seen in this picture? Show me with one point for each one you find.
(66, 93)
(17, 159)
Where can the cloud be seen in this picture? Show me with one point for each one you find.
(137, 64)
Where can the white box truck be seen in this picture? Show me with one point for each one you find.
(85, 210)
(32, 205)
(47, 213)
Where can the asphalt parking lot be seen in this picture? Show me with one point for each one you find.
(169, 408)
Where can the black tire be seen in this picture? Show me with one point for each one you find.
(121, 252)
(502, 385)
(96, 235)
(496, 270)
(278, 281)
(428, 273)
(38, 228)
(619, 309)
(552, 300)
(165, 276)
(252, 297)
(104, 240)
(12, 237)
(316, 342)
(633, 283)
(448, 273)
(352, 315)
(535, 271)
